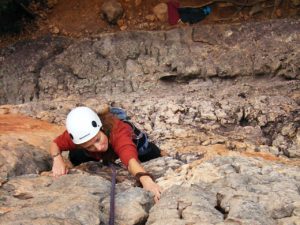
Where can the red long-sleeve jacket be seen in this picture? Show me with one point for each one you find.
(120, 139)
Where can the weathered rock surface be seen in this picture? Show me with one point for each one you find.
(128, 62)
(229, 190)
(24, 144)
(263, 115)
(257, 103)
(215, 186)
(222, 104)
(224, 190)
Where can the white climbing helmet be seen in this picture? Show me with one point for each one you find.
(82, 124)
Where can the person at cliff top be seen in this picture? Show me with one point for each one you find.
(92, 137)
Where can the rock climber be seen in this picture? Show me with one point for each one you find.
(92, 137)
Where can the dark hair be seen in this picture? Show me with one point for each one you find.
(107, 119)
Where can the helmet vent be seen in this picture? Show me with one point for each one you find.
(71, 136)
(94, 123)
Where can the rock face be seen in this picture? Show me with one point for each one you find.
(229, 190)
(130, 62)
(24, 144)
(222, 102)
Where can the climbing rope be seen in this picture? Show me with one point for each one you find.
(112, 195)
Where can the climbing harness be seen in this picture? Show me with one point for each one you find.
(139, 138)
(112, 195)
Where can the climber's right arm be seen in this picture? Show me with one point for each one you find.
(59, 166)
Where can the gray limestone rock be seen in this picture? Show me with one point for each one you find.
(185, 205)
(218, 104)
(74, 198)
(18, 157)
(132, 206)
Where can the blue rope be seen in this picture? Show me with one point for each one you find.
(112, 195)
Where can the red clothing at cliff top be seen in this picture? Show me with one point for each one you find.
(173, 15)
(120, 139)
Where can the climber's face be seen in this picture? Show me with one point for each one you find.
(99, 143)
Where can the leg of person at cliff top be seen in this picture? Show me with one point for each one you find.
(152, 152)
(191, 15)
(79, 156)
